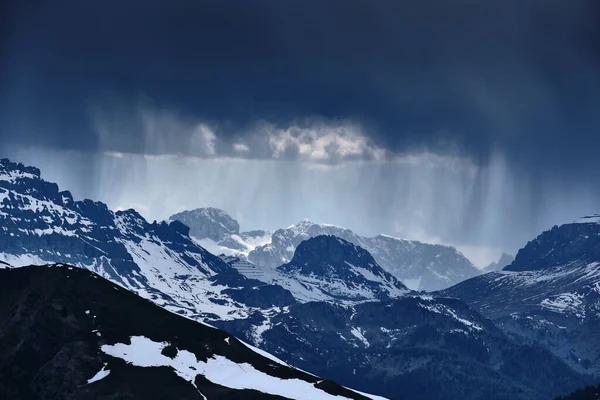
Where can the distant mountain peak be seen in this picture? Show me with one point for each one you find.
(209, 222)
(305, 224)
(549, 294)
(503, 261)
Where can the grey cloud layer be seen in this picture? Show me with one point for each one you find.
(166, 133)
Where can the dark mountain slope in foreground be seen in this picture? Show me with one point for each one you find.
(588, 393)
(66, 333)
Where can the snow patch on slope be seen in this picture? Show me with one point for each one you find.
(412, 284)
(103, 373)
(565, 303)
(22, 260)
(144, 352)
(358, 333)
(13, 175)
(442, 309)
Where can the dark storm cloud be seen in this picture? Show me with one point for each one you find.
(463, 75)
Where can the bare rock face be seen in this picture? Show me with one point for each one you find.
(578, 241)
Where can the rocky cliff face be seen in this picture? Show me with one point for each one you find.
(219, 233)
(568, 243)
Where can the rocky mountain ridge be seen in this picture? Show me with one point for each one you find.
(420, 266)
(550, 294)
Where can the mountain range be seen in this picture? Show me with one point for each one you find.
(420, 266)
(416, 344)
(330, 308)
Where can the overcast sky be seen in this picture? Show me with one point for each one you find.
(462, 122)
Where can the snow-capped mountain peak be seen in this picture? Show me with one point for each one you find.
(338, 269)
(420, 266)
(219, 233)
(209, 222)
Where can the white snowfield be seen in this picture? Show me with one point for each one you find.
(144, 352)
(216, 248)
